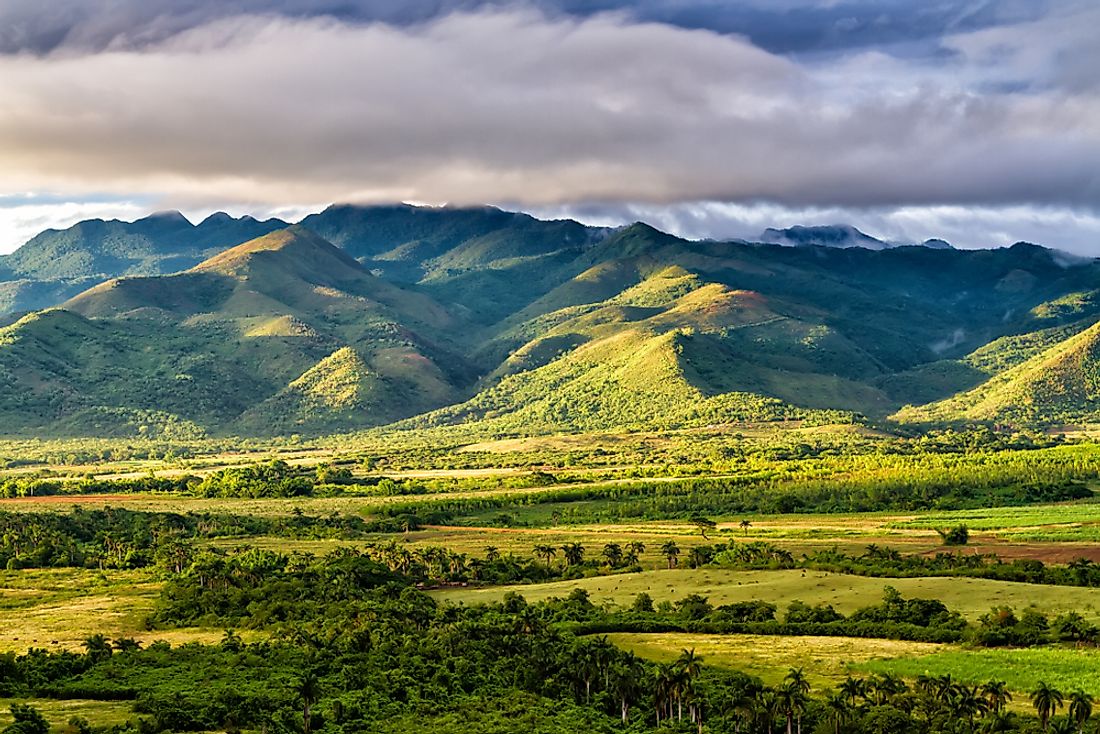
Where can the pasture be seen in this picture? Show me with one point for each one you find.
(825, 660)
(971, 597)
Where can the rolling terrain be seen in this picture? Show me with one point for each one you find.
(485, 323)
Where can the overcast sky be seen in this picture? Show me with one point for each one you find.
(973, 120)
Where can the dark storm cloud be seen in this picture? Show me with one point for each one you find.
(780, 26)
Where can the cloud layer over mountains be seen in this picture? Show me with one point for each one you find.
(987, 105)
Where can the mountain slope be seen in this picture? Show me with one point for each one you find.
(278, 315)
(1059, 385)
(57, 264)
(488, 322)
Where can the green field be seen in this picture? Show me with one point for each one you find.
(60, 608)
(970, 597)
(59, 712)
(825, 660)
(1065, 668)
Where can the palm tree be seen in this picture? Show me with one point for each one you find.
(626, 683)
(745, 525)
(308, 690)
(634, 550)
(1047, 700)
(1080, 708)
(613, 552)
(671, 551)
(798, 687)
(996, 693)
(97, 647)
(839, 710)
(664, 690)
(492, 553)
(688, 666)
(967, 702)
(853, 688)
(546, 552)
(1082, 570)
(573, 553)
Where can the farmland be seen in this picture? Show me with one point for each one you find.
(133, 565)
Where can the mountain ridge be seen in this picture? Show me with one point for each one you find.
(496, 323)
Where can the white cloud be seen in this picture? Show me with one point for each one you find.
(966, 227)
(21, 221)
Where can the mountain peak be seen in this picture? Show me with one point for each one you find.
(217, 218)
(168, 216)
(294, 248)
(829, 235)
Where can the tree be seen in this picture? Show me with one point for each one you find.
(26, 720)
(1082, 569)
(626, 683)
(745, 525)
(958, 535)
(1047, 700)
(97, 647)
(671, 551)
(308, 691)
(704, 524)
(573, 554)
(688, 666)
(1080, 708)
(546, 552)
(796, 688)
(852, 689)
(643, 603)
(634, 550)
(613, 553)
(996, 693)
(492, 553)
(839, 710)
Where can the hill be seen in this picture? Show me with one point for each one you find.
(276, 316)
(57, 264)
(492, 323)
(1059, 385)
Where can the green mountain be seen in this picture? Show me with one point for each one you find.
(283, 321)
(58, 264)
(479, 321)
(1059, 384)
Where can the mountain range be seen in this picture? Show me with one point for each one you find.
(478, 321)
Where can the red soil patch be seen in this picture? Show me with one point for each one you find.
(72, 499)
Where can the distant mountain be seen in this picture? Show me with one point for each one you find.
(833, 235)
(838, 235)
(57, 264)
(483, 322)
(937, 244)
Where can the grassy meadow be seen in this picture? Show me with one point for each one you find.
(825, 660)
(970, 597)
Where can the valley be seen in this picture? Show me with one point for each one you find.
(352, 465)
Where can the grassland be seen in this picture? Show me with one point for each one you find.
(970, 597)
(59, 712)
(59, 608)
(825, 660)
(1064, 668)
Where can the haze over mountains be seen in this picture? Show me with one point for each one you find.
(488, 322)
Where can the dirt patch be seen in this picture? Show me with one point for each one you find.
(72, 499)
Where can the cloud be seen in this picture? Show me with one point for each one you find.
(24, 216)
(510, 105)
(970, 227)
(781, 26)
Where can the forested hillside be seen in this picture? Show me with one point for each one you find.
(490, 323)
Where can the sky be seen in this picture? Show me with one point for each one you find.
(977, 121)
